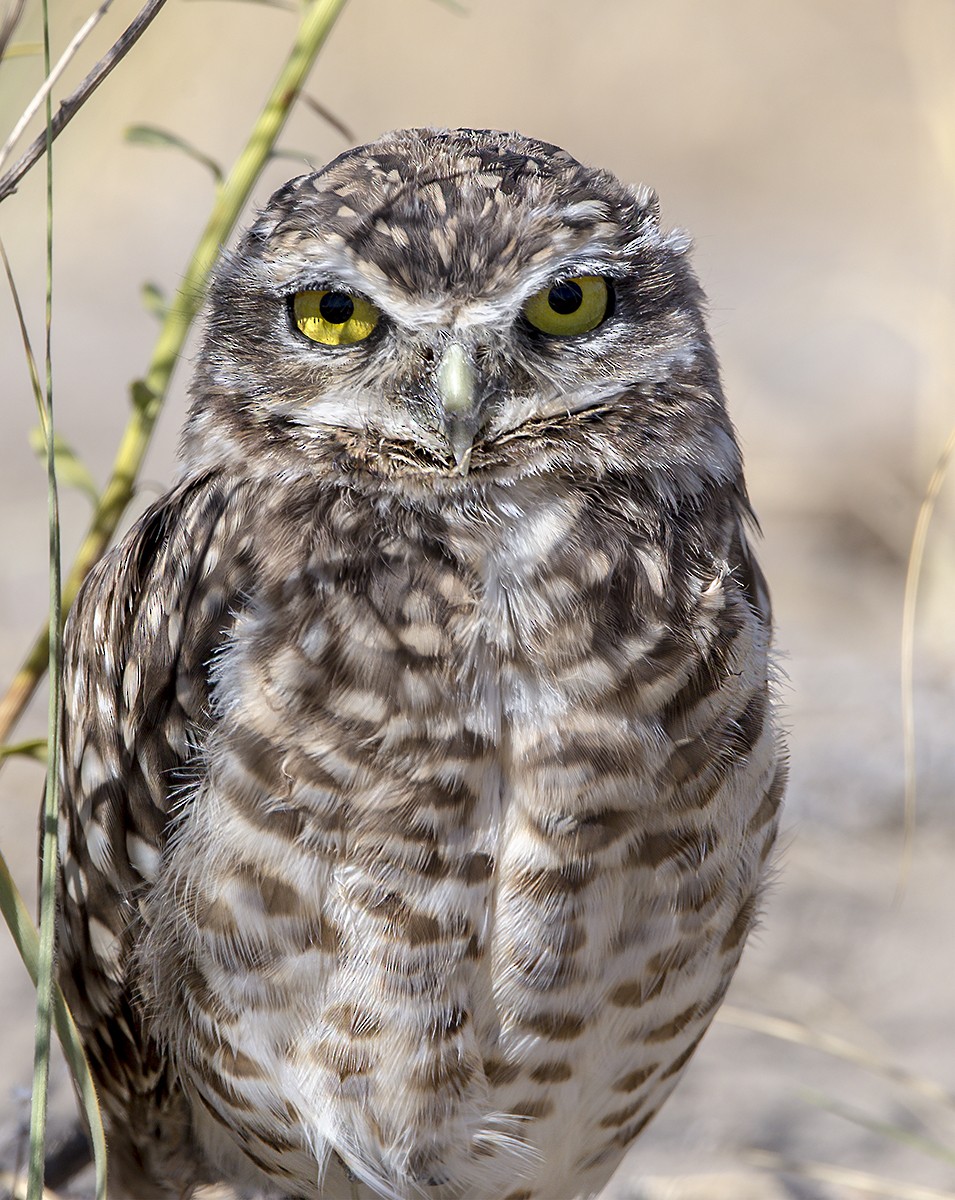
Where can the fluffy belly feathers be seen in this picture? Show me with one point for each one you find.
(459, 945)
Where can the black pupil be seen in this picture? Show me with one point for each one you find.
(336, 307)
(565, 298)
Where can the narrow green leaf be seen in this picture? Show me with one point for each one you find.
(152, 135)
(143, 399)
(327, 115)
(24, 338)
(32, 748)
(154, 300)
(23, 50)
(70, 469)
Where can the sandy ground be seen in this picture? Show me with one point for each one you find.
(805, 144)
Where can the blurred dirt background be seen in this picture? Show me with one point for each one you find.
(809, 145)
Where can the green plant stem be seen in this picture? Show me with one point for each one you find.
(44, 983)
(149, 393)
(28, 943)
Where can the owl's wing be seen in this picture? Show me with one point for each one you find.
(137, 647)
(746, 570)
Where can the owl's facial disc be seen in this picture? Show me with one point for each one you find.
(449, 363)
(477, 303)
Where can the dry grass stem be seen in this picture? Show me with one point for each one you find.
(913, 575)
(861, 1181)
(803, 1035)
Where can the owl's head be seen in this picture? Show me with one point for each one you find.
(440, 303)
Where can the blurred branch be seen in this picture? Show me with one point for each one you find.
(151, 135)
(76, 99)
(68, 54)
(149, 393)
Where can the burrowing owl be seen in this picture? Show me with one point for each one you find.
(420, 771)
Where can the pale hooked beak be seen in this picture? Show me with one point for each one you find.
(458, 385)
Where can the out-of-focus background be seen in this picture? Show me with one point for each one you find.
(809, 146)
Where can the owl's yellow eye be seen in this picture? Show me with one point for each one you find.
(334, 318)
(569, 306)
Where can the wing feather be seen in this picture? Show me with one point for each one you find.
(137, 646)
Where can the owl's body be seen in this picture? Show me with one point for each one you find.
(421, 773)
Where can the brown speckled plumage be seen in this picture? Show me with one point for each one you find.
(416, 809)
